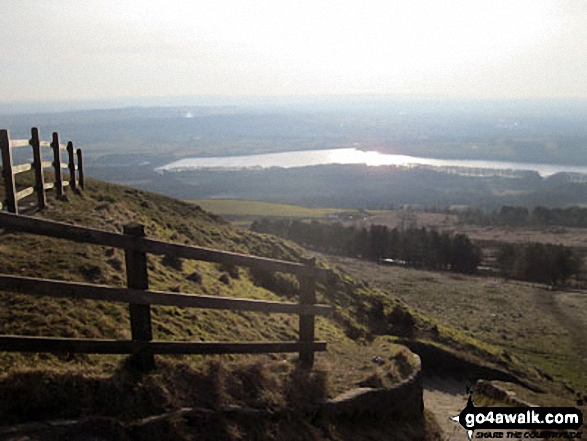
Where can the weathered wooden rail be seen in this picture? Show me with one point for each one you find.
(9, 170)
(140, 298)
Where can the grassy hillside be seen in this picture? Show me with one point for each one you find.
(366, 322)
(540, 329)
(44, 386)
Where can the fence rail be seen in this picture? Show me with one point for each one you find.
(134, 347)
(10, 170)
(140, 298)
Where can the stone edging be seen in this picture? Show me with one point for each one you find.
(403, 401)
(492, 390)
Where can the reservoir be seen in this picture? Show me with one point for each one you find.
(306, 158)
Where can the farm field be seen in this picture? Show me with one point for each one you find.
(571, 237)
(242, 212)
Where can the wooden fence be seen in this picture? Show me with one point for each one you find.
(10, 170)
(139, 297)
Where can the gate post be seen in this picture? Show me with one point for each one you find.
(35, 143)
(307, 297)
(140, 315)
(71, 163)
(57, 164)
(80, 168)
(9, 185)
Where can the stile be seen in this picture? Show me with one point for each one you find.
(76, 182)
(57, 165)
(71, 166)
(38, 166)
(137, 277)
(9, 184)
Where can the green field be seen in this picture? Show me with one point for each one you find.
(239, 208)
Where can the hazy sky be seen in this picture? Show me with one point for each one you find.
(97, 49)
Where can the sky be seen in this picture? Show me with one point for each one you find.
(458, 49)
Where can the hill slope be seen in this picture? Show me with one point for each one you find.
(366, 322)
(43, 386)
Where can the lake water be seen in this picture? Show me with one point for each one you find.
(354, 156)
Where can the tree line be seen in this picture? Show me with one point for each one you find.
(537, 262)
(515, 215)
(415, 247)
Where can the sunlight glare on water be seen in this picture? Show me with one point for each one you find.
(293, 159)
(353, 156)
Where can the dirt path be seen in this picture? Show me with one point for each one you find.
(569, 310)
(446, 397)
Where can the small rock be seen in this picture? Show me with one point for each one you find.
(378, 360)
(224, 278)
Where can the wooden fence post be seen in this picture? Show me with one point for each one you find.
(71, 163)
(80, 168)
(9, 185)
(57, 164)
(140, 315)
(35, 143)
(307, 297)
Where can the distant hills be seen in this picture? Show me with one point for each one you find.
(126, 144)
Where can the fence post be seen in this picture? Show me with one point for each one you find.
(9, 185)
(307, 297)
(71, 163)
(80, 168)
(35, 143)
(140, 315)
(57, 164)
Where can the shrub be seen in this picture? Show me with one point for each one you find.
(280, 283)
(172, 262)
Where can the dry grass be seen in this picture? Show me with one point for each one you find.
(126, 394)
(45, 386)
(244, 209)
(115, 402)
(515, 318)
(358, 366)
